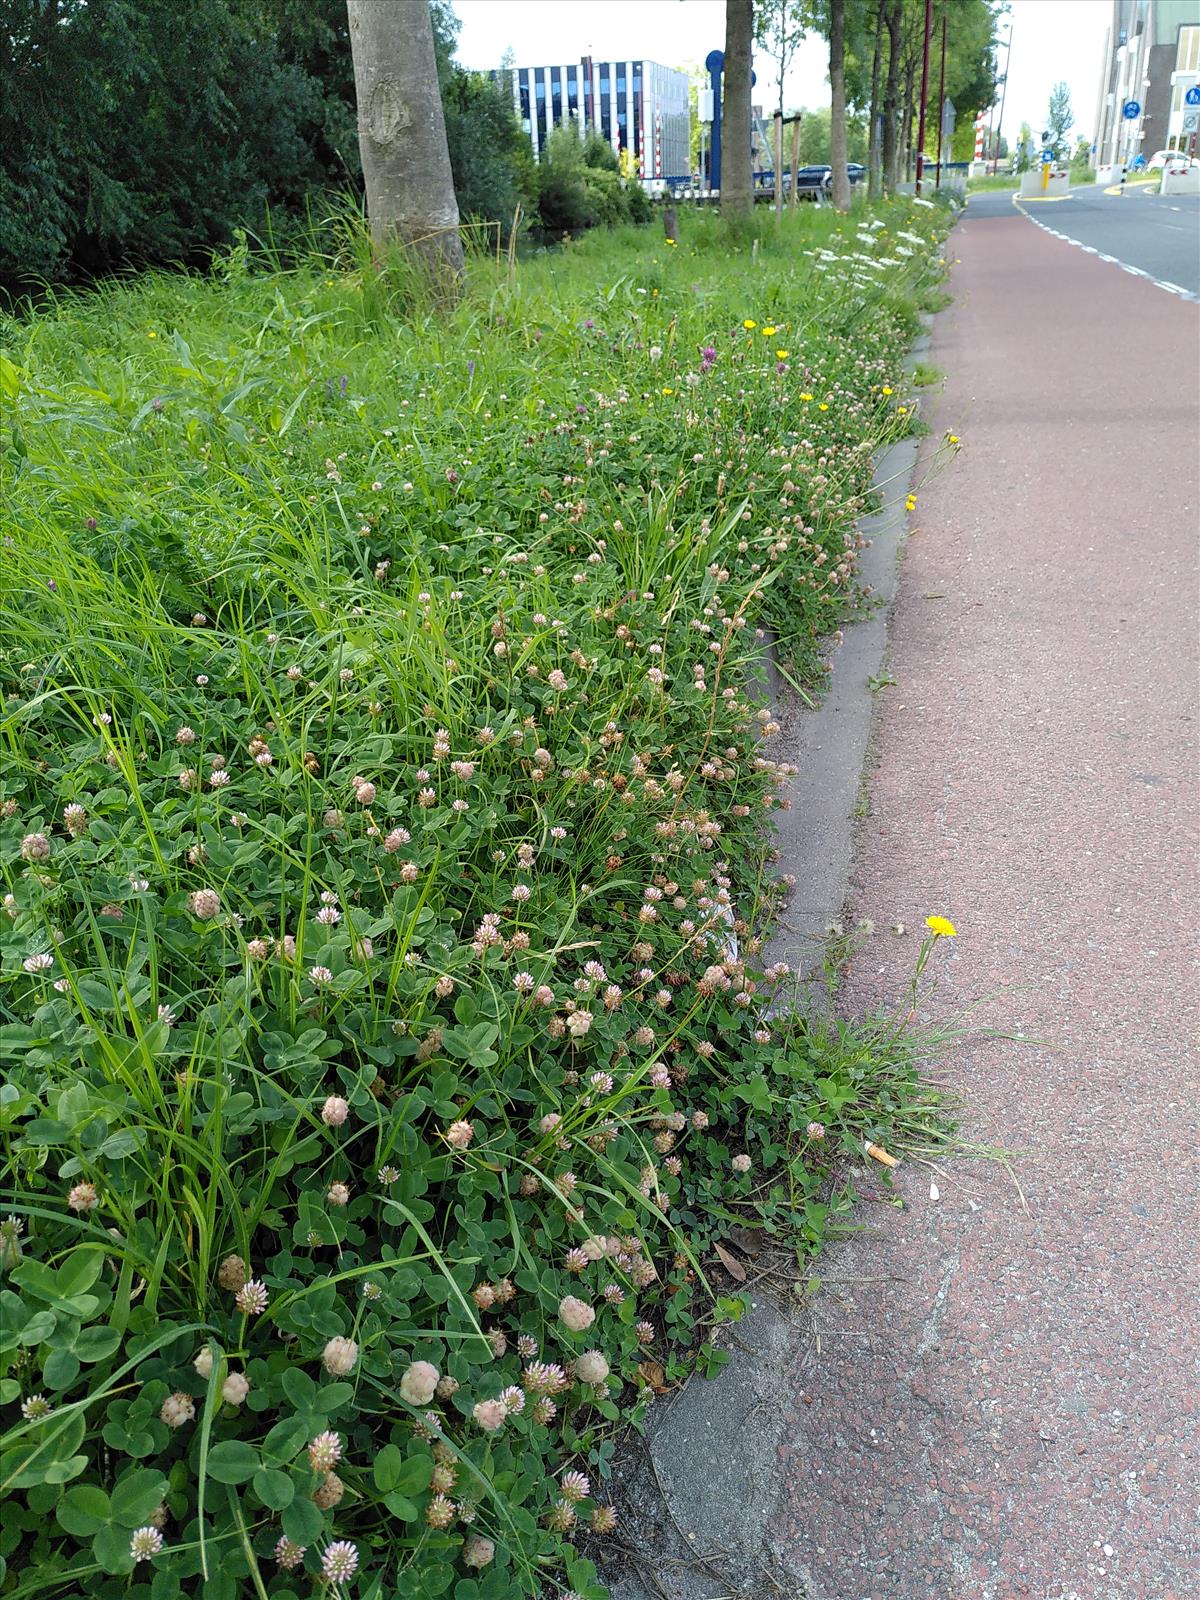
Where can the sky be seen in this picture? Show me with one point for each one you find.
(1051, 39)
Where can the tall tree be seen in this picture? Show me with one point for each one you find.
(1059, 118)
(779, 29)
(893, 22)
(737, 180)
(840, 190)
(402, 133)
(873, 153)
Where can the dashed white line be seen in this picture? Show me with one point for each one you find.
(1134, 272)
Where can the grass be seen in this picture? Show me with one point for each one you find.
(386, 871)
(993, 180)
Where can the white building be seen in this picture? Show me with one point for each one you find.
(635, 105)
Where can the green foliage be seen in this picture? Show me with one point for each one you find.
(580, 186)
(815, 146)
(364, 672)
(1059, 121)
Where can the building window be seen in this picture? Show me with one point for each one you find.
(1187, 57)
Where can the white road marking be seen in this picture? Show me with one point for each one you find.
(1135, 272)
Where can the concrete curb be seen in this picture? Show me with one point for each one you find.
(698, 1492)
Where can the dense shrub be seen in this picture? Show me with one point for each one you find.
(385, 883)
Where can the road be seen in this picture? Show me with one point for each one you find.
(1158, 235)
(1003, 1404)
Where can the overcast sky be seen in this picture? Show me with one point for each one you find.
(1052, 39)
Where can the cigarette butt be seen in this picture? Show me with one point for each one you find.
(878, 1153)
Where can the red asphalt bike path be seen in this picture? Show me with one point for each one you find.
(1004, 1403)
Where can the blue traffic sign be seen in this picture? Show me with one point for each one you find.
(1131, 109)
(1192, 97)
(1047, 157)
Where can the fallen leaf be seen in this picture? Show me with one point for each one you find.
(652, 1373)
(732, 1265)
(748, 1240)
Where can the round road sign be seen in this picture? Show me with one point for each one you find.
(1192, 97)
(1131, 109)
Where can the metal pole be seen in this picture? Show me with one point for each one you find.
(924, 93)
(1004, 86)
(778, 164)
(941, 105)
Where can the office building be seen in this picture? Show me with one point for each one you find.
(1151, 58)
(636, 105)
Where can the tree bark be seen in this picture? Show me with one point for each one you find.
(840, 182)
(873, 125)
(737, 181)
(893, 11)
(402, 134)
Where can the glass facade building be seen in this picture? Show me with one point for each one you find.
(635, 105)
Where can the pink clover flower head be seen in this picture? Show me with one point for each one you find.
(204, 904)
(35, 847)
(339, 1562)
(740, 1163)
(335, 1111)
(419, 1383)
(459, 1135)
(325, 1451)
(339, 1356)
(252, 1298)
(490, 1415)
(575, 1314)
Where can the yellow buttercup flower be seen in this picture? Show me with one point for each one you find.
(901, 411)
(887, 389)
(942, 927)
(821, 406)
(152, 334)
(910, 503)
(668, 391)
(951, 438)
(806, 397)
(781, 355)
(749, 323)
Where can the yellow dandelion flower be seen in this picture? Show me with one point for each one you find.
(749, 323)
(668, 391)
(769, 331)
(901, 411)
(781, 355)
(821, 406)
(152, 334)
(806, 397)
(671, 242)
(942, 927)
(887, 388)
(952, 438)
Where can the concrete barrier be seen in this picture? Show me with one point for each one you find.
(1031, 183)
(1180, 178)
(1109, 174)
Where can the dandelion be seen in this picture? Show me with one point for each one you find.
(339, 1561)
(749, 324)
(942, 927)
(145, 1543)
(252, 1298)
(339, 1357)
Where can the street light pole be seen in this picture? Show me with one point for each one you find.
(1004, 86)
(941, 105)
(924, 93)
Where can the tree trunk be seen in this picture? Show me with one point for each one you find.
(840, 184)
(402, 133)
(873, 124)
(891, 93)
(737, 182)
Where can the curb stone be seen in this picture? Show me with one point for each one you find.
(696, 1494)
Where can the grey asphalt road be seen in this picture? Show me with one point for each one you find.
(1159, 235)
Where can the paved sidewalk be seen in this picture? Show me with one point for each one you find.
(1009, 1409)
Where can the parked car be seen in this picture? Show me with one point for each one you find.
(1175, 157)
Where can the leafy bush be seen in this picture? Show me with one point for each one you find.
(381, 969)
